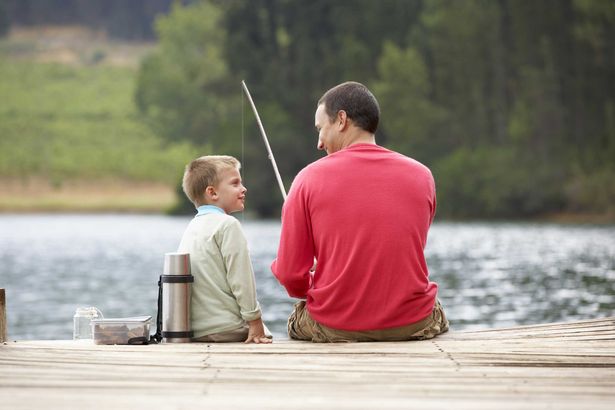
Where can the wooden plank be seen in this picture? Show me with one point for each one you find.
(3, 324)
(504, 370)
(598, 326)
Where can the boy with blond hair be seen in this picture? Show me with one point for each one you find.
(224, 307)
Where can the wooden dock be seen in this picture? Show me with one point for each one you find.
(558, 366)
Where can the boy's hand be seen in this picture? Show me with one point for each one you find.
(256, 332)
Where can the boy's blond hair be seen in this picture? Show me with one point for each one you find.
(204, 172)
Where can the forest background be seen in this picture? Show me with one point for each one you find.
(511, 103)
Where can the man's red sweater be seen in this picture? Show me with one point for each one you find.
(363, 212)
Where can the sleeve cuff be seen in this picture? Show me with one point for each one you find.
(249, 315)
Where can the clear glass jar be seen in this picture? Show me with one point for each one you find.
(81, 322)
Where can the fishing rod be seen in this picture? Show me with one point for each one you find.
(271, 157)
(264, 135)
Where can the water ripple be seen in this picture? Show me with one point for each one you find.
(490, 274)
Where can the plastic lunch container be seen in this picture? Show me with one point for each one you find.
(121, 331)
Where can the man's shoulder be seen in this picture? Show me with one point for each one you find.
(324, 163)
(342, 160)
(409, 161)
(313, 168)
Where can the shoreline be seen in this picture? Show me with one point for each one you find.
(101, 196)
(107, 196)
(133, 205)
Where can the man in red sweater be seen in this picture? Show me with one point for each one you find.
(363, 213)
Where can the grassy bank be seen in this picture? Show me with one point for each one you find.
(68, 126)
(37, 195)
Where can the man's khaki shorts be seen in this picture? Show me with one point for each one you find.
(301, 326)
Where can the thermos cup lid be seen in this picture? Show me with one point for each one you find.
(176, 263)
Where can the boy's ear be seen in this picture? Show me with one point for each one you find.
(210, 192)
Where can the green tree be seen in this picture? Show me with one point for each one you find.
(465, 60)
(510, 101)
(183, 88)
(290, 52)
(492, 182)
(409, 117)
(5, 23)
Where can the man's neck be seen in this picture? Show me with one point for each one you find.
(359, 136)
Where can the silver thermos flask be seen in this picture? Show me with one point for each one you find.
(176, 283)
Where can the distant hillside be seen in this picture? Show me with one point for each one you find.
(68, 123)
(72, 45)
(130, 20)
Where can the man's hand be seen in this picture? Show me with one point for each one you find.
(256, 332)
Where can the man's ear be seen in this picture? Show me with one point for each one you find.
(210, 192)
(341, 120)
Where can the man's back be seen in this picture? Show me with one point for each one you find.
(367, 211)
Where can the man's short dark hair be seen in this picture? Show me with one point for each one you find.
(357, 101)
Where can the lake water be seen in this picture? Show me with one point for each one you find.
(490, 274)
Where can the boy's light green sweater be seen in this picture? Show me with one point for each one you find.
(223, 292)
